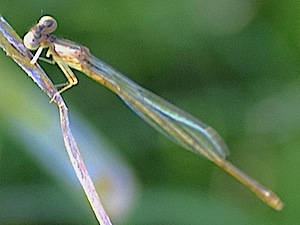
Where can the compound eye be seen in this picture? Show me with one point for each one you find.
(31, 42)
(48, 24)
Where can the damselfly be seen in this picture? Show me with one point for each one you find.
(173, 122)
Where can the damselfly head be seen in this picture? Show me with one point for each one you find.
(46, 25)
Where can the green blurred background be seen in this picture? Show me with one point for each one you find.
(234, 64)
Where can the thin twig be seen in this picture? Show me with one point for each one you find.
(12, 44)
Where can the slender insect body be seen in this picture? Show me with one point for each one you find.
(176, 124)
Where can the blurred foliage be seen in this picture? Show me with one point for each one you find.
(234, 64)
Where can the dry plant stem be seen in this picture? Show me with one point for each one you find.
(80, 169)
(12, 44)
